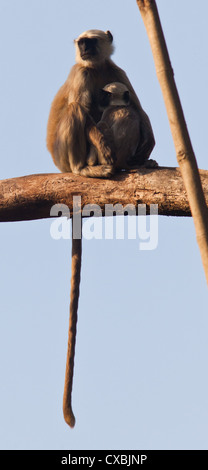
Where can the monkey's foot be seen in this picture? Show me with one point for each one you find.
(104, 171)
(150, 164)
(97, 171)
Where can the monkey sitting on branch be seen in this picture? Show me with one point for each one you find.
(121, 124)
(73, 134)
(75, 111)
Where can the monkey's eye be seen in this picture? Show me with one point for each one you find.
(87, 43)
(81, 42)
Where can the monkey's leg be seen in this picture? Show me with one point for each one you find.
(81, 130)
(74, 298)
(146, 143)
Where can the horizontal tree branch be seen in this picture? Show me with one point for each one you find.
(31, 197)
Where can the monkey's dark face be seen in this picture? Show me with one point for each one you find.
(88, 48)
(104, 98)
(93, 47)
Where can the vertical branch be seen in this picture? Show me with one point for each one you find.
(184, 151)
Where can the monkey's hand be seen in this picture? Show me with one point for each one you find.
(150, 164)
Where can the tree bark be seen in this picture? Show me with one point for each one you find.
(184, 151)
(31, 197)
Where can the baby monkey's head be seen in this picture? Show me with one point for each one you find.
(114, 94)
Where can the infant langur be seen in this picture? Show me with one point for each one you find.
(121, 123)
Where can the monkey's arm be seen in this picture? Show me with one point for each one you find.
(58, 107)
(73, 90)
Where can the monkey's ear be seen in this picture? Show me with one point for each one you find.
(110, 36)
(126, 97)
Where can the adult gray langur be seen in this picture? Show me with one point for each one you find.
(75, 111)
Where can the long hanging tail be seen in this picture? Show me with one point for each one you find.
(74, 299)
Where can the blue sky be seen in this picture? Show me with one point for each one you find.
(141, 354)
